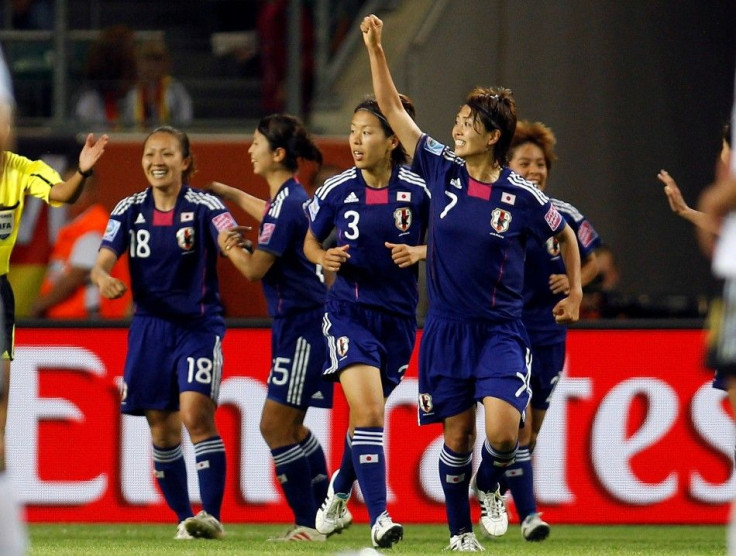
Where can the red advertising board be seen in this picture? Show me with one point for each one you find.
(635, 434)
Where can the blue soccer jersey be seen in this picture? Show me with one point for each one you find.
(365, 218)
(477, 236)
(542, 260)
(172, 255)
(292, 284)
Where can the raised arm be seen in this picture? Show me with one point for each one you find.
(682, 209)
(254, 206)
(567, 310)
(387, 96)
(68, 191)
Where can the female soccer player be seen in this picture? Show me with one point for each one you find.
(295, 292)
(475, 348)
(379, 209)
(545, 283)
(174, 362)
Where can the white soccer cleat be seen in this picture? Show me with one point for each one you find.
(204, 526)
(300, 533)
(464, 542)
(181, 532)
(333, 515)
(385, 533)
(494, 521)
(533, 528)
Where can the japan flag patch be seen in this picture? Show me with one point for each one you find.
(368, 458)
(403, 196)
(508, 198)
(187, 216)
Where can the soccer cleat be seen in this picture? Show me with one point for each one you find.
(494, 521)
(333, 515)
(181, 532)
(465, 542)
(533, 528)
(300, 533)
(385, 533)
(204, 526)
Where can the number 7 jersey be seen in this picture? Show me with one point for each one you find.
(172, 255)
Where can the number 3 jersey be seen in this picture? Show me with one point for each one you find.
(172, 255)
(365, 219)
(477, 236)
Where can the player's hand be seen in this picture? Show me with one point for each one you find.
(568, 309)
(406, 255)
(333, 258)
(371, 27)
(559, 283)
(112, 288)
(674, 195)
(92, 151)
(233, 237)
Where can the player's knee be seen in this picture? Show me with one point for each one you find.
(369, 415)
(460, 439)
(199, 424)
(278, 433)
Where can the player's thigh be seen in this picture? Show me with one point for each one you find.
(298, 356)
(501, 422)
(363, 390)
(281, 424)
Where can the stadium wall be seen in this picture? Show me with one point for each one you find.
(636, 434)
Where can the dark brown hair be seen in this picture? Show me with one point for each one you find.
(495, 108)
(284, 131)
(370, 104)
(537, 134)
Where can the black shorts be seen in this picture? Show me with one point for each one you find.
(7, 314)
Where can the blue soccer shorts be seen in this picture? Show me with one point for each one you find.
(299, 350)
(165, 359)
(547, 364)
(462, 362)
(359, 335)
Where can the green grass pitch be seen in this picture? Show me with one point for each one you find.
(155, 540)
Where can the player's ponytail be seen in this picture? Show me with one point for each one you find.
(370, 104)
(283, 131)
(495, 108)
(186, 151)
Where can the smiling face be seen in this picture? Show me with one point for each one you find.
(163, 162)
(369, 145)
(528, 161)
(470, 136)
(262, 157)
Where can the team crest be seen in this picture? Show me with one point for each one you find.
(185, 238)
(425, 403)
(500, 220)
(402, 218)
(553, 246)
(343, 344)
(7, 223)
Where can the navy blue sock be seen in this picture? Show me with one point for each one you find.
(492, 466)
(292, 471)
(520, 478)
(317, 467)
(210, 456)
(346, 477)
(455, 471)
(370, 467)
(171, 475)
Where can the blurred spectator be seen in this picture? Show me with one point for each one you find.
(157, 98)
(273, 40)
(32, 14)
(110, 74)
(66, 292)
(601, 298)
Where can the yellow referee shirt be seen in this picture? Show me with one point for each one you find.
(20, 177)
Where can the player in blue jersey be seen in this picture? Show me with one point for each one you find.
(474, 347)
(295, 292)
(379, 210)
(174, 363)
(545, 283)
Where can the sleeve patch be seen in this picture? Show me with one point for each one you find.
(553, 218)
(313, 208)
(586, 234)
(266, 233)
(224, 221)
(113, 226)
(433, 146)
